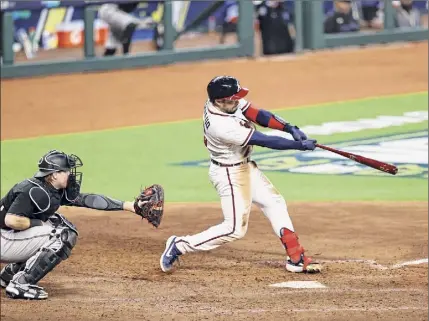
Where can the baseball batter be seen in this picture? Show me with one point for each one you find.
(229, 135)
(35, 238)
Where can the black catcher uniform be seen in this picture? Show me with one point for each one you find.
(34, 237)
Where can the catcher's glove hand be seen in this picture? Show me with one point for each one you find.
(150, 204)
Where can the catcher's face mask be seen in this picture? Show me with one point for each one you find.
(75, 178)
(75, 162)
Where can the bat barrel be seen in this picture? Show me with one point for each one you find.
(381, 166)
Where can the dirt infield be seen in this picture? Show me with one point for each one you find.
(113, 273)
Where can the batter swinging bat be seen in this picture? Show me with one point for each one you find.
(384, 167)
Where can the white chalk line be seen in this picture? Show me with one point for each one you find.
(336, 309)
(371, 263)
(374, 264)
(416, 262)
(324, 310)
(350, 290)
(380, 309)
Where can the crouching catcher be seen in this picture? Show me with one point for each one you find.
(35, 238)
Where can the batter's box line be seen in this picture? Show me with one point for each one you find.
(372, 263)
(375, 265)
(331, 309)
(378, 309)
(293, 291)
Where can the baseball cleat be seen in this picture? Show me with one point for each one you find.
(170, 255)
(17, 290)
(3, 283)
(305, 265)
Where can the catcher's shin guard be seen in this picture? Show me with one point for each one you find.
(297, 261)
(47, 258)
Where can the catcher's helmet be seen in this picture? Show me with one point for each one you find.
(57, 161)
(225, 87)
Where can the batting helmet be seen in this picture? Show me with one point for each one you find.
(57, 161)
(225, 87)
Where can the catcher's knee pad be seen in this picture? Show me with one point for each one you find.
(48, 257)
(67, 239)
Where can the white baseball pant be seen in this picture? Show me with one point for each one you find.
(239, 187)
(17, 247)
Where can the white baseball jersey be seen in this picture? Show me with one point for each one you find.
(226, 135)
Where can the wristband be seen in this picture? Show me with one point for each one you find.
(288, 128)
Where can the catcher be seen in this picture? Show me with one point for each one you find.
(35, 238)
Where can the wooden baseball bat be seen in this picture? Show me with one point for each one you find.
(381, 166)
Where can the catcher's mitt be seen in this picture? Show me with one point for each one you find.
(150, 204)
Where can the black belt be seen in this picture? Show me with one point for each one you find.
(230, 165)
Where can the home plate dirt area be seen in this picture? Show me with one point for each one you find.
(369, 252)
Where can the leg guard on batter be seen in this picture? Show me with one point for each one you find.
(297, 261)
(291, 243)
(62, 242)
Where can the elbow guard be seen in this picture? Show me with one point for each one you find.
(100, 202)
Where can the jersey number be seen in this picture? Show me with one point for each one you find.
(206, 120)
